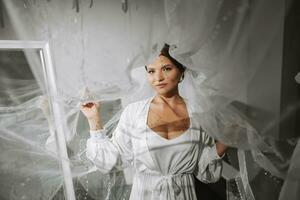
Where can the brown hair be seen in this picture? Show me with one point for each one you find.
(165, 52)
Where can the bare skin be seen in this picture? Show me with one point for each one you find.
(168, 115)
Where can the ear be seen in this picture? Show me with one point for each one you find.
(182, 77)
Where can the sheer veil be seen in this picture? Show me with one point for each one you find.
(99, 51)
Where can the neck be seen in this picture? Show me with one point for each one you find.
(170, 98)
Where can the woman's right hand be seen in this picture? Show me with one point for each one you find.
(90, 110)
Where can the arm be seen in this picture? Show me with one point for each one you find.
(210, 161)
(92, 113)
(109, 153)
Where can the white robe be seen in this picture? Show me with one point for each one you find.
(129, 145)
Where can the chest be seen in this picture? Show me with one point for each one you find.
(168, 122)
(142, 142)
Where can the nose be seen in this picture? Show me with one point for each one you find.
(159, 76)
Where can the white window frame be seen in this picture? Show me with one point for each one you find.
(56, 109)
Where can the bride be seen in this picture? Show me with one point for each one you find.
(159, 137)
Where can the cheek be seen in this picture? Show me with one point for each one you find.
(150, 79)
(173, 76)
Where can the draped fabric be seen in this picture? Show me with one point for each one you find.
(99, 51)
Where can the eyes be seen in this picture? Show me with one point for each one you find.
(164, 69)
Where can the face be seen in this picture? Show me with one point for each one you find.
(163, 75)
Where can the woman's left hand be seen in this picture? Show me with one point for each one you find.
(221, 148)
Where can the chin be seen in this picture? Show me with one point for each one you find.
(163, 92)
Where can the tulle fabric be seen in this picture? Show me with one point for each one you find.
(99, 53)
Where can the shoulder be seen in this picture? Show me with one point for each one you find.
(137, 104)
(136, 107)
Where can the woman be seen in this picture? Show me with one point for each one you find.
(159, 137)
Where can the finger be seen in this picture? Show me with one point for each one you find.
(97, 104)
(87, 104)
(83, 106)
(90, 104)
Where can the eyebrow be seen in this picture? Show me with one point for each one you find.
(166, 65)
(147, 67)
